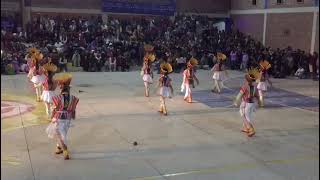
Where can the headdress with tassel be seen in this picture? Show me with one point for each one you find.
(35, 55)
(63, 79)
(166, 68)
(265, 65)
(50, 67)
(192, 62)
(252, 74)
(221, 56)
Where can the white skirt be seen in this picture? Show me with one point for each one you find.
(262, 86)
(165, 91)
(246, 110)
(47, 96)
(147, 78)
(219, 75)
(59, 127)
(38, 79)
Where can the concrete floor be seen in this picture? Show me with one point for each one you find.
(198, 141)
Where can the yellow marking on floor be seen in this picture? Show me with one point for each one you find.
(234, 167)
(11, 160)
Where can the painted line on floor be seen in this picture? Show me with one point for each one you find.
(233, 167)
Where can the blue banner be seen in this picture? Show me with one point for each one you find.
(165, 9)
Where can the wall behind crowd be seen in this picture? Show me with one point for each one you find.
(279, 25)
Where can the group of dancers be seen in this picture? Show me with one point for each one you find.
(60, 108)
(254, 87)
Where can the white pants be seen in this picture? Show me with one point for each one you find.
(188, 90)
(182, 87)
(246, 111)
(217, 85)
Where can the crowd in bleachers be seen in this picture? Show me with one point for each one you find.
(117, 45)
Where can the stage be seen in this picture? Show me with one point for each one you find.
(201, 140)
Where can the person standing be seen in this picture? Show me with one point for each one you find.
(49, 86)
(263, 79)
(64, 110)
(165, 86)
(246, 96)
(219, 73)
(36, 75)
(188, 79)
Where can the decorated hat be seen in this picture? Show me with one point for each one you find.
(252, 74)
(221, 56)
(265, 65)
(50, 67)
(192, 62)
(35, 55)
(166, 67)
(149, 57)
(63, 79)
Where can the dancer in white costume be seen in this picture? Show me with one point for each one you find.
(263, 79)
(49, 86)
(246, 96)
(188, 79)
(165, 86)
(64, 109)
(36, 75)
(146, 71)
(219, 73)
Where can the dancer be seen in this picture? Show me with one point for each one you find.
(49, 86)
(146, 71)
(64, 109)
(246, 95)
(165, 83)
(262, 85)
(188, 79)
(36, 75)
(219, 73)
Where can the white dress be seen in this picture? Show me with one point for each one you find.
(219, 76)
(38, 79)
(147, 78)
(262, 85)
(165, 91)
(47, 96)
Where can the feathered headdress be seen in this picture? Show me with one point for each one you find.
(166, 67)
(50, 67)
(221, 56)
(35, 55)
(63, 79)
(149, 57)
(193, 62)
(252, 74)
(265, 65)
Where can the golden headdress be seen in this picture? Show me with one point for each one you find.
(166, 67)
(149, 57)
(252, 74)
(63, 79)
(192, 62)
(221, 56)
(148, 48)
(35, 55)
(265, 65)
(50, 67)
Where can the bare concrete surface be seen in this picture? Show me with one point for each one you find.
(198, 141)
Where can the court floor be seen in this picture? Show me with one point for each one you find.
(198, 141)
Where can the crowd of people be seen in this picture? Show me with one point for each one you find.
(117, 45)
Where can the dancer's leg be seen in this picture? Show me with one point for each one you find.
(261, 98)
